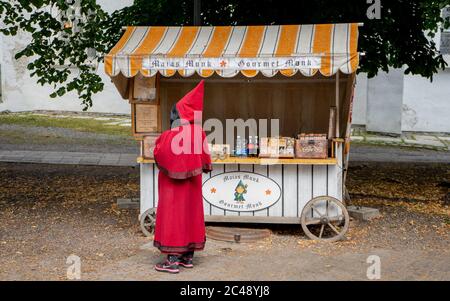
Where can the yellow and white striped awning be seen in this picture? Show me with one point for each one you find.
(228, 50)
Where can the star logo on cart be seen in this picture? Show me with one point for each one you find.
(241, 191)
(223, 64)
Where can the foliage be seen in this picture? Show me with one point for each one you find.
(400, 37)
(65, 49)
(66, 56)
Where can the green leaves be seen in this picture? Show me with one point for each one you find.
(61, 38)
(58, 47)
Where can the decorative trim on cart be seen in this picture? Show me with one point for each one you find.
(241, 191)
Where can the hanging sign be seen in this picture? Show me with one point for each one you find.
(241, 191)
(235, 63)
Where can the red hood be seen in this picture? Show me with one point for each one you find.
(197, 159)
(191, 102)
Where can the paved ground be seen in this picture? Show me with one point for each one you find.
(437, 141)
(83, 158)
(391, 153)
(49, 212)
(288, 261)
(68, 206)
(359, 153)
(45, 137)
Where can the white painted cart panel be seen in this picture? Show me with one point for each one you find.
(299, 184)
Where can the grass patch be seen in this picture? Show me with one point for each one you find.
(23, 137)
(89, 125)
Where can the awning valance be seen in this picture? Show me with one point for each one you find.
(228, 50)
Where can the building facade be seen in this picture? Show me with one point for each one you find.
(394, 102)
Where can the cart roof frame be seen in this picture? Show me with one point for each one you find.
(228, 50)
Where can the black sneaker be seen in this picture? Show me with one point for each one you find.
(169, 266)
(186, 261)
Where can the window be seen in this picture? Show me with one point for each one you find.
(444, 46)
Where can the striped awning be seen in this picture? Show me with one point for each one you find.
(228, 50)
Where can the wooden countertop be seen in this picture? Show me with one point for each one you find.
(263, 161)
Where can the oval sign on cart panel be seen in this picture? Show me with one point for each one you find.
(241, 191)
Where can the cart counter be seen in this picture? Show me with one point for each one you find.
(263, 190)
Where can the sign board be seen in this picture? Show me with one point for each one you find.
(144, 88)
(223, 63)
(241, 191)
(146, 118)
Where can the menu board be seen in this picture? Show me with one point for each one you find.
(144, 88)
(146, 118)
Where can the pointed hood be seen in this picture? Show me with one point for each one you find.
(191, 154)
(191, 102)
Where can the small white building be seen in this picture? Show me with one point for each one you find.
(391, 102)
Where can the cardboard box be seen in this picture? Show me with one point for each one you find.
(148, 146)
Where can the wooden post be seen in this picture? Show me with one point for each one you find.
(337, 106)
(197, 12)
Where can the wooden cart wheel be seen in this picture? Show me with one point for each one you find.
(148, 220)
(325, 218)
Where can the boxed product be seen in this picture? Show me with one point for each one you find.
(311, 146)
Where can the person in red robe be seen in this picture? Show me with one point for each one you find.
(181, 155)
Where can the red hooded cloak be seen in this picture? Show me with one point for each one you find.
(181, 155)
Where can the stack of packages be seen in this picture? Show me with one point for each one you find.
(277, 147)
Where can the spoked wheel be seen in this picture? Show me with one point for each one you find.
(325, 218)
(148, 220)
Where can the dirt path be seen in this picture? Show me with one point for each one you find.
(49, 212)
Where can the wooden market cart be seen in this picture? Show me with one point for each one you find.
(294, 73)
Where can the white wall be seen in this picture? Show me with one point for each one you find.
(426, 105)
(360, 100)
(22, 93)
(384, 102)
(1, 67)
